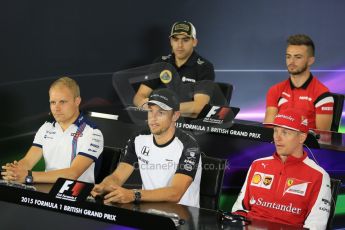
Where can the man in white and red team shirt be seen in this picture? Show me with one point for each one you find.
(302, 90)
(287, 187)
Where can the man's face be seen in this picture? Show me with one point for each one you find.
(182, 46)
(159, 120)
(63, 105)
(298, 60)
(288, 142)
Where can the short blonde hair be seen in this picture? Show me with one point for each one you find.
(69, 83)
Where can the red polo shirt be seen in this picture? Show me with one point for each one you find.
(312, 98)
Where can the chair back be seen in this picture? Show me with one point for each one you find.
(134, 180)
(335, 184)
(106, 162)
(211, 181)
(337, 110)
(222, 93)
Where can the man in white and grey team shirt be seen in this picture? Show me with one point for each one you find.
(168, 159)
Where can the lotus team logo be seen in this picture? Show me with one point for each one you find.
(165, 76)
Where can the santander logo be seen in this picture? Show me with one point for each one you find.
(273, 205)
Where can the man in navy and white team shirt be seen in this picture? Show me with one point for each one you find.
(69, 143)
(168, 159)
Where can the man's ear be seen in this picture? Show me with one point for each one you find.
(302, 137)
(176, 115)
(195, 42)
(78, 101)
(311, 61)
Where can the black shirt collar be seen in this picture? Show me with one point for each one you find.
(190, 62)
(163, 145)
(304, 86)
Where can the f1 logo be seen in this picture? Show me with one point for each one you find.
(212, 111)
(221, 114)
(75, 190)
(66, 186)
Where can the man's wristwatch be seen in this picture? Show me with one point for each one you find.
(137, 196)
(29, 180)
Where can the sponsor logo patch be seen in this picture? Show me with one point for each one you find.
(295, 186)
(165, 76)
(327, 108)
(145, 150)
(277, 206)
(262, 180)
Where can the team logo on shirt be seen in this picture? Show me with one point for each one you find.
(49, 134)
(77, 134)
(304, 121)
(200, 62)
(306, 98)
(189, 162)
(267, 180)
(327, 108)
(295, 186)
(262, 180)
(165, 76)
(256, 179)
(287, 207)
(145, 150)
(186, 79)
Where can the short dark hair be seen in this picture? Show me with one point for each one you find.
(302, 39)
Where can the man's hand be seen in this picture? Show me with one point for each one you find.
(13, 172)
(119, 195)
(98, 190)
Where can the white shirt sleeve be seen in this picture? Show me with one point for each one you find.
(238, 206)
(92, 143)
(39, 137)
(318, 216)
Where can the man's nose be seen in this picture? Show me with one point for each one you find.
(56, 107)
(180, 43)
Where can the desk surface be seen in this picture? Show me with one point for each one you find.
(12, 204)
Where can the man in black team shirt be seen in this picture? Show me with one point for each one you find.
(196, 73)
(168, 159)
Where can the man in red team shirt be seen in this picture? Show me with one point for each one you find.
(288, 187)
(302, 90)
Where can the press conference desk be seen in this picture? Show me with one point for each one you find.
(23, 209)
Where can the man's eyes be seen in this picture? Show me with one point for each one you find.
(61, 102)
